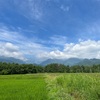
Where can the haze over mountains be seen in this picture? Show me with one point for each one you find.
(10, 60)
(73, 61)
(70, 61)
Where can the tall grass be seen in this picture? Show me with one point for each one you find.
(23, 87)
(75, 87)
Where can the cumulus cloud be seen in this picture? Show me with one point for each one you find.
(10, 50)
(83, 49)
(10, 47)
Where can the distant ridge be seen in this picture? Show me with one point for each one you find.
(89, 62)
(72, 61)
(10, 60)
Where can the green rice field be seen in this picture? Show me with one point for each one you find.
(54, 86)
(23, 87)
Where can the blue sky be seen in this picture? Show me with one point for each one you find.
(37, 30)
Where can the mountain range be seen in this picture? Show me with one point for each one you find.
(11, 60)
(72, 61)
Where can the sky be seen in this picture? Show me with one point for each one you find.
(36, 30)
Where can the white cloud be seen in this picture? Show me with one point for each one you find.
(83, 49)
(10, 50)
(16, 45)
(10, 47)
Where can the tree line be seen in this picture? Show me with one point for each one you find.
(15, 68)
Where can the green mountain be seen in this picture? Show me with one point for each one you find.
(89, 62)
(72, 61)
(10, 60)
(49, 61)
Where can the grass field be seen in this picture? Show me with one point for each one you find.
(50, 87)
(74, 87)
(23, 87)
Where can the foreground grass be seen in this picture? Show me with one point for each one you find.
(23, 87)
(74, 87)
(50, 87)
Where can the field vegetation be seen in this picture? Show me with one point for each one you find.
(52, 86)
(23, 87)
(74, 87)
